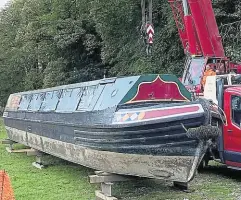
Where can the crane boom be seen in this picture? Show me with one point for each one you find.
(178, 14)
(207, 29)
(197, 27)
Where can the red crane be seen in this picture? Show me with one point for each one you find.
(197, 27)
(202, 44)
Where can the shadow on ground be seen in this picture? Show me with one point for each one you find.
(212, 183)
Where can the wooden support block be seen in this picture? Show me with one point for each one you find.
(10, 150)
(39, 159)
(107, 178)
(7, 141)
(181, 185)
(33, 152)
(101, 196)
(38, 165)
(106, 189)
(102, 173)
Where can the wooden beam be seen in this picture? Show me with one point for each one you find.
(102, 173)
(108, 178)
(33, 152)
(181, 185)
(38, 165)
(7, 141)
(28, 151)
(100, 196)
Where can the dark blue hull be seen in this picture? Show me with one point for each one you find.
(159, 138)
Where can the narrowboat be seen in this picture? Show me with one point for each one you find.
(146, 126)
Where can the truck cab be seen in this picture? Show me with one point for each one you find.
(195, 68)
(225, 92)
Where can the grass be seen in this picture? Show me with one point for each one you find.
(67, 181)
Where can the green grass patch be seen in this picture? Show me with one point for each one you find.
(67, 181)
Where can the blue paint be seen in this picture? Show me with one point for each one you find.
(232, 156)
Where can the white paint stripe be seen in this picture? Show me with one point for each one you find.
(150, 28)
(152, 119)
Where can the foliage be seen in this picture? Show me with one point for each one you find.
(46, 43)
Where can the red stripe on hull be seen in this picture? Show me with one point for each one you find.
(169, 112)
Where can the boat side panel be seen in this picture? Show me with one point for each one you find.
(154, 139)
(79, 99)
(113, 93)
(171, 168)
(157, 88)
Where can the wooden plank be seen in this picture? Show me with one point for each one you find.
(181, 185)
(9, 149)
(38, 165)
(106, 188)
(100, 196)
(7, 141)
(33, 152)
(102, 173)
(109, 178)
(18, 150)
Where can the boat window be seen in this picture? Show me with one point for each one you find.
(86, 97)
(13, 101)
(51, 100)
(36, 102)
(69, 100)
(25, 99)
(236, 110)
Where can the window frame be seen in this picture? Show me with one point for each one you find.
(232, 110)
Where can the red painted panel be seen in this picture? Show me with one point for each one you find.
(201, 28)
(159, 90)
(169, 112)
(206, 27)
(194, 47)
(231, 132)
(212, 26)
(178, 14)
(234, 164)
(149, 114)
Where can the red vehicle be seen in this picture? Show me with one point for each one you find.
(202, 44)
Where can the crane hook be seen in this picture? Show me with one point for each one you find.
(147, 28)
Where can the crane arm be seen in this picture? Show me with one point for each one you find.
(197, 27)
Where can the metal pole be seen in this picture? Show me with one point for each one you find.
(150, 11)
(143, 8)
(185, 7)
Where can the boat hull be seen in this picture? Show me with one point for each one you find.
(173, 168)
(154, 145)
(143, 126)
